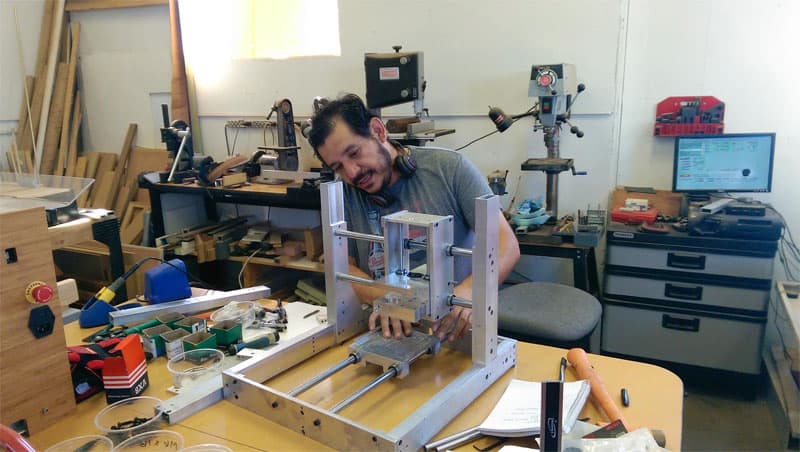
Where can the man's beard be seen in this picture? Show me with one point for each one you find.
(386, 166)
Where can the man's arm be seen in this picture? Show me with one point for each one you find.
(461, 318)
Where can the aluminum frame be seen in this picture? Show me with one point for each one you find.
(491, 355)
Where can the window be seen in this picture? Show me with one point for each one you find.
(216, 31)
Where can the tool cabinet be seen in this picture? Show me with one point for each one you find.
(675, 298)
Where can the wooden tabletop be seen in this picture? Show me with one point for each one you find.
(656, 399)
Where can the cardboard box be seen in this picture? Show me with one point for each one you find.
(152, 341)
(191, 324)
(200, 339)
(173, 342)
(228, 332)
(125, 373)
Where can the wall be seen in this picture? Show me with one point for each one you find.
(745, 54)
(630, 54)
(29, 14)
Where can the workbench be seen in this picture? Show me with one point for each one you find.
(175, 206)
(542, 242)
(656, 399)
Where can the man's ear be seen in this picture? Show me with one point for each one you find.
(378, 129)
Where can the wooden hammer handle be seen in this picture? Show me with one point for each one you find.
(600, 397)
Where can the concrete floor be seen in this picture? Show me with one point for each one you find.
(717, 419)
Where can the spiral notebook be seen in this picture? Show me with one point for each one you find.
(517, 412)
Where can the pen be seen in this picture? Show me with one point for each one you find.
(562, 368)
(311, 313)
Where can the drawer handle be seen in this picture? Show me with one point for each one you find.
(677, 323)
(683, 292)
(686, 261)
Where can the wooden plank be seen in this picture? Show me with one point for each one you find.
(142, 160)
(124, 153)
(93, 158)
(45, 29)
(106, 163)
(12, 161)
(104, 182)
(23, 126)
(52, 65)
(126, 195)
(135, 227)
(80, 166)
(85, 5)
(53, 131)
(72, 155)
(179, 90)
(313, 243)
(68, 99)
(39, 389)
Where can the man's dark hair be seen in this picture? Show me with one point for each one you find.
(351, 109)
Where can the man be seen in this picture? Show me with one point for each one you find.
(382, 177)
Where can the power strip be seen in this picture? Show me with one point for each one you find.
(244, 124)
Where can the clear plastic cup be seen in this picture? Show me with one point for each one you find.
(155, 441)
(208, 448)
(195, 365)
(86, 443)
(126, 418)
(243, 312)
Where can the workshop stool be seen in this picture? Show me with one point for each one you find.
(548, 313)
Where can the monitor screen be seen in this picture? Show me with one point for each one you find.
(739, 162)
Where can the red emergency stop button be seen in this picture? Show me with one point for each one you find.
(545, 80)
(39, 292)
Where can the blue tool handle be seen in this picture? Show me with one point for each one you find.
(261, 342)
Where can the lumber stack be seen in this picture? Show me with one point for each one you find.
(114, 172)
(61, 130)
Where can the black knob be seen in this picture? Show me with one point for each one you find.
(579, 134)
(397, 48)
(574, 129)
(581, 87)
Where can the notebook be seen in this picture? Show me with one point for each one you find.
(517, 411)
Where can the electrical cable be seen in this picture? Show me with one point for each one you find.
(496, 130)
(244, 265)
(477, 139)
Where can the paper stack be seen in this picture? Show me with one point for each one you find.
(517, 412)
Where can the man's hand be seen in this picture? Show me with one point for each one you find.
(389, 325)
(457, 323)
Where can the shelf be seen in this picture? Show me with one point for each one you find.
(302, 263)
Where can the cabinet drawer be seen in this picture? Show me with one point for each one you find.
(694, 262)
(666, 291)
(683, 337)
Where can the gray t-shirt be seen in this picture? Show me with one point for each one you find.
(445, 183)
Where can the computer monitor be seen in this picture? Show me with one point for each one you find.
(736, 162)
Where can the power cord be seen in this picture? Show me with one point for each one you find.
(494, 131)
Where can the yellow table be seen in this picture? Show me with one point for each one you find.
(656, 400)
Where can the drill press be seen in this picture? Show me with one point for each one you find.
(556, 89)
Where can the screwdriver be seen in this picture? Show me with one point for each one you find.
(259, 342)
